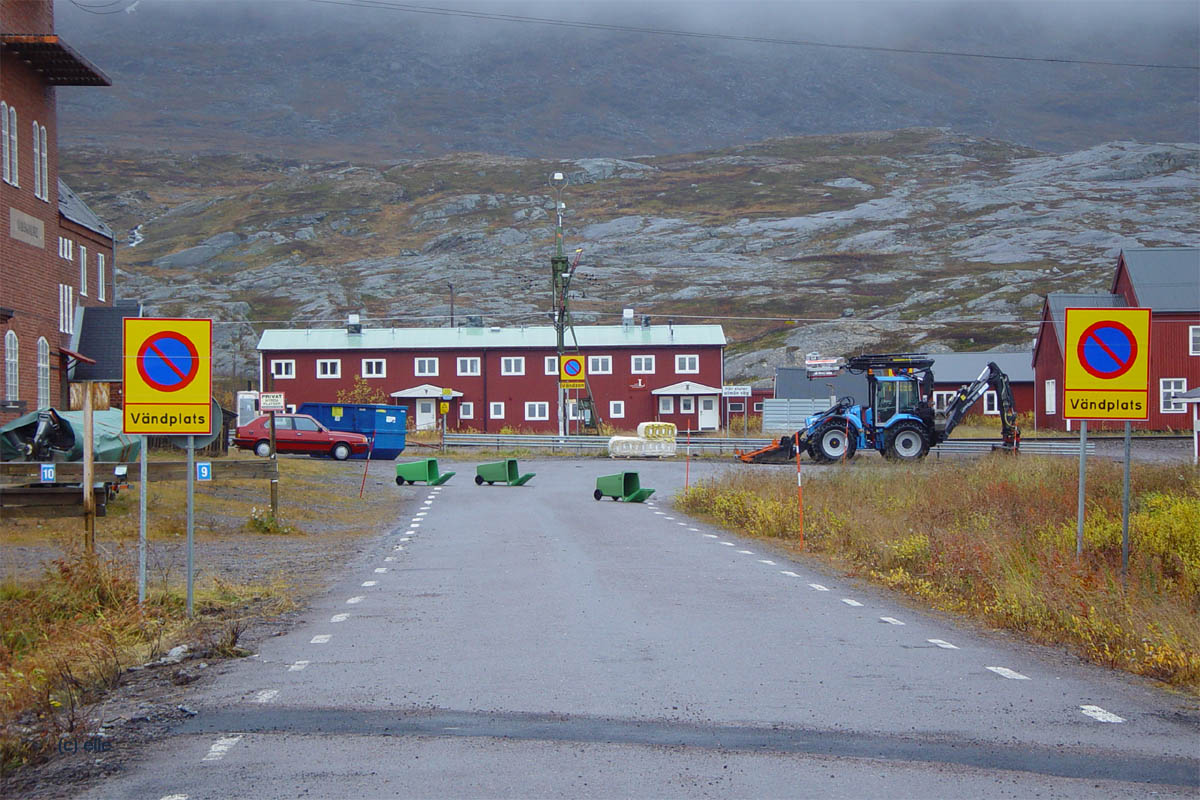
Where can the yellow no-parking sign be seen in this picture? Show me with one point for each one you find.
(1106, 364)
(167, 371)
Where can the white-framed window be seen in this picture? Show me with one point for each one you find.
(466, 410)
(512, 365)
(82, 271)
(687, 405)
(37, 162)
(66, 308)
(616, 409)
(283, 368)
(4, 142)
(1194, 340)
(1050, 390)
(101, 291)
(537, 410)
(496, 410)
(12, 367)
(758, 408)
(12, 146)
(991, 404)
(374, 368)
(329, 368)
(66, 248)
(666, 404)
(43, 373)
(45, 168)
(468, 365)
(941, 400)
(736, 407)
(572, 410)
(641, 365)
(426, 366)
(8, 138)
(600, 365)
(687, 364)
(551, 365)
(1167, 389)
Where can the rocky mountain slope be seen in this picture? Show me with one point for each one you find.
(917, 238)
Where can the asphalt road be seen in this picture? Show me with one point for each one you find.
(532, 642)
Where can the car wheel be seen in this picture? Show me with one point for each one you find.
(262, 448)
(479, 480)
(908, 443)
(341, 451)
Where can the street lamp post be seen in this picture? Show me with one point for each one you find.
(558, 271)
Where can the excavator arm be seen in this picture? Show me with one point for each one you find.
(992, 377)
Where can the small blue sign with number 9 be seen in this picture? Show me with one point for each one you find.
(204, 470)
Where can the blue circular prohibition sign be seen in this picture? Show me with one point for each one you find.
(1107, 349)
(168, 362)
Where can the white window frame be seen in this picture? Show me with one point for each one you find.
(1194, 340)
(758, 407)
(681, 362)
(737, 406)
(616, 409)
(1050, 397)
(666, 404)
(551, 365)
(687, 404)
(466, 410)
(45, 168)
(7, 171)
(1168, 387)
(333, 371)
(646, 368)
(495, 410)
(43, 373)
(942, 398)
(101, 292)
(66, 248)
(572, 410)
(421, 367)
(537, 411)
(283, 368)
(377, 368)
(12, 366)
(66, 308)
(14, 177)
(512, 365)
(472, 365)
(991, 403)
(83, 271)
(37, 162)
(600, 365)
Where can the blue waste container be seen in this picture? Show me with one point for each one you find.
(386, 424)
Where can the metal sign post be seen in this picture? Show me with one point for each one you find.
(1082, 484)
(191, 517)
(1125, 510)
(143, 487)
(89, 469)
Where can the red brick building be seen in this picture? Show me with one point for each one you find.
(506, 377)
(1167, 281)
(55, 255)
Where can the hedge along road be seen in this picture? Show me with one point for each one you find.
(535, 642)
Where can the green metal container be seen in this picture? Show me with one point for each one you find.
(425, 470)
(506, 472)
(625, 486)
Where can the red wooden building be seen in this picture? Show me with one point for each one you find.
(56, 257)
(506, 378)
(1167, 281)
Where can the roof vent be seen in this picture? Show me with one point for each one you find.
(353, 325)
(495, 329)
(474, 321)
(627, 318)
(645, 320)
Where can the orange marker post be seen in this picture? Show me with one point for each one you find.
(687, 460)
(800, 495)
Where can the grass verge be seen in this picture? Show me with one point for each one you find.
(994, 540)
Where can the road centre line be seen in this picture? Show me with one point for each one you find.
(298, 666)
(819, 587)
(765, 561)
(339, 618)
(788, 573)
(694, 530)
(370, 583)
(746, 552)
(850, 602)
(1005, 672)
(661, 513)
(389, 559)
(174, 797)
(422, 513)
(414, 526)
(1100, 715)
(729, 544)
(428, 502)
(221, 747)
(681, 524)
(403, 539)
(266, 695)
(380, 569)
(356, 600)
(321, 638)
(943, 644)
(670, 518)
(891, 620)
(711, 536)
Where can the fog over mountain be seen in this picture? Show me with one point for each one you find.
(333, 80)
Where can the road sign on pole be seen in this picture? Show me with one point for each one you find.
(168, 376)
(1106, 372)
(571, 372)
(273, 401)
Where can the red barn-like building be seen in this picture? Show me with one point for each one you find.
(1167, 281)
(497, 378)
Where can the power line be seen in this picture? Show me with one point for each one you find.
(90, 8)
(603, 26)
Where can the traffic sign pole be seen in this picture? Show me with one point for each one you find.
(1125, 510)
(191, 517)
(143, 485)
(1082, 484)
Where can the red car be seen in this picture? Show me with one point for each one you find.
(299, 433)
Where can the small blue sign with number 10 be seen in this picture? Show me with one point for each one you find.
(204, 470)
(48, 473)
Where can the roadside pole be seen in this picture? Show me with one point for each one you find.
(89, 468)
(274, 480)
(191, 516)
(800, 496)
(1125, 511)
(142, 487)
(687, 461)
(1082, 485)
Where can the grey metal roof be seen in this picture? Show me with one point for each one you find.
(1165, 279)
(74, 209)
(539, 336)
(965, 367)
(1059, 302)
(100, 337)
(792, 383)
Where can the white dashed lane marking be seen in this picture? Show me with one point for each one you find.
(850, 602)
(661, 513)
(266, 695)
(789, 574)
(355, 600)
(422, 513)
(1005, 672)
(729, 544)
(694, 530)
(221, 747)
(670, 518)
(942, 644)
(1100, 715)
(746, 552)
(370, 583)
(891, 620)
(765, 561)
(415, 525)
(174, 797)
(819, 587)
(298, 666)
(381, 569)
(321, 638)
(711, 536)
(428, 502)
(389, 559)
(339, 618)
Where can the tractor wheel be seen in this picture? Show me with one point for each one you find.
(908, 442)
(833, 443)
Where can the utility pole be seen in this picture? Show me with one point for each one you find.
(559, 273)
(451, 285)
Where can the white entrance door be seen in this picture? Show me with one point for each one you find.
(426, 420)
(709, 417)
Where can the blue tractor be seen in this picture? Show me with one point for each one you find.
(898, 419)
